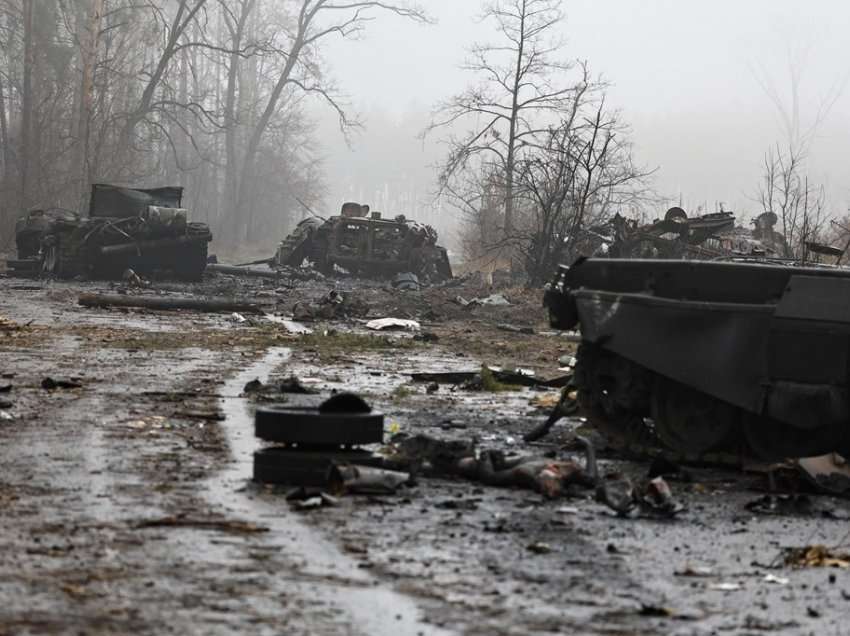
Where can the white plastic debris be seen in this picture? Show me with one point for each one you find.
(495, 299)
(777, 580)
(726, 587)
(6, 416)
(384, 324)
(238, 318)
(568, 510)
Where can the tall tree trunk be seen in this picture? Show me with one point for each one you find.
(88, 60)
(5, 206)
(246, 182)
(27, 102)
(510, 162)
(4, 140)
(231, 121)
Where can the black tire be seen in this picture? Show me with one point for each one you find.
(307, 426)
(304, 467)
(691, 422)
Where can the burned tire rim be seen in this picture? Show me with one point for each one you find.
(308, 426)
(689, 421)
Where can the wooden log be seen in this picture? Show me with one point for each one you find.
(234, 270)
(169, 303)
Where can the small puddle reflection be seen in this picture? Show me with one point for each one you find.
(368, 607)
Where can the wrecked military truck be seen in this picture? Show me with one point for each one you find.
(146, 230)
(363, 243)
(711, 358)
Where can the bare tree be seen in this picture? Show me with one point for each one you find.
(314, 21)
(579, 175)
(521, 90)
(211, 94)
(88, 40)
(785, 191)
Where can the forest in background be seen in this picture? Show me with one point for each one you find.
(213, 95)
(223, 97)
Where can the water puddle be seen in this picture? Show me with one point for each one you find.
(335, 579)
(290, 325)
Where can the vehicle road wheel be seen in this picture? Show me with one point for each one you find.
(608, 384)
(689, 421)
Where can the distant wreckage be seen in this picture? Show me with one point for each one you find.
(147, 231)
(365, 244)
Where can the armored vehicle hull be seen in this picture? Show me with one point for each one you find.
(366, 246)
(143, 230)
(711, 357)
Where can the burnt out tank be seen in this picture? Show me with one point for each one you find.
(146, 230)
(711, 358)
(365, 244)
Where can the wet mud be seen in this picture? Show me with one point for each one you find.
(128, 505)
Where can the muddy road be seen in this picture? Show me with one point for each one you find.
(128, 505)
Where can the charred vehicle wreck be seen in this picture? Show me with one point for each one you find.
(706, 237)
(363, 243)
(746, 360)
(146, 230)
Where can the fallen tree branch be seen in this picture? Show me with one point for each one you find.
(234, 270)
(221, 525)
(169, 303)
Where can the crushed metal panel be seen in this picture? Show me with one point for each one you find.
(121, 202)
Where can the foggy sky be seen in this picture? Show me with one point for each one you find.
(684, 73)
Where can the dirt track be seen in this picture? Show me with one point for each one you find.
(128, 506)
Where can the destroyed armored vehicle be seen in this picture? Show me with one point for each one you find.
(706, 237)
(711, 358)
(676, 236)
(363, 243)
(144, 230)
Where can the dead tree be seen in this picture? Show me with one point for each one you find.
(301, 71)
(88, 39)
(784, 189)
(515, 93)
(580, 173)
